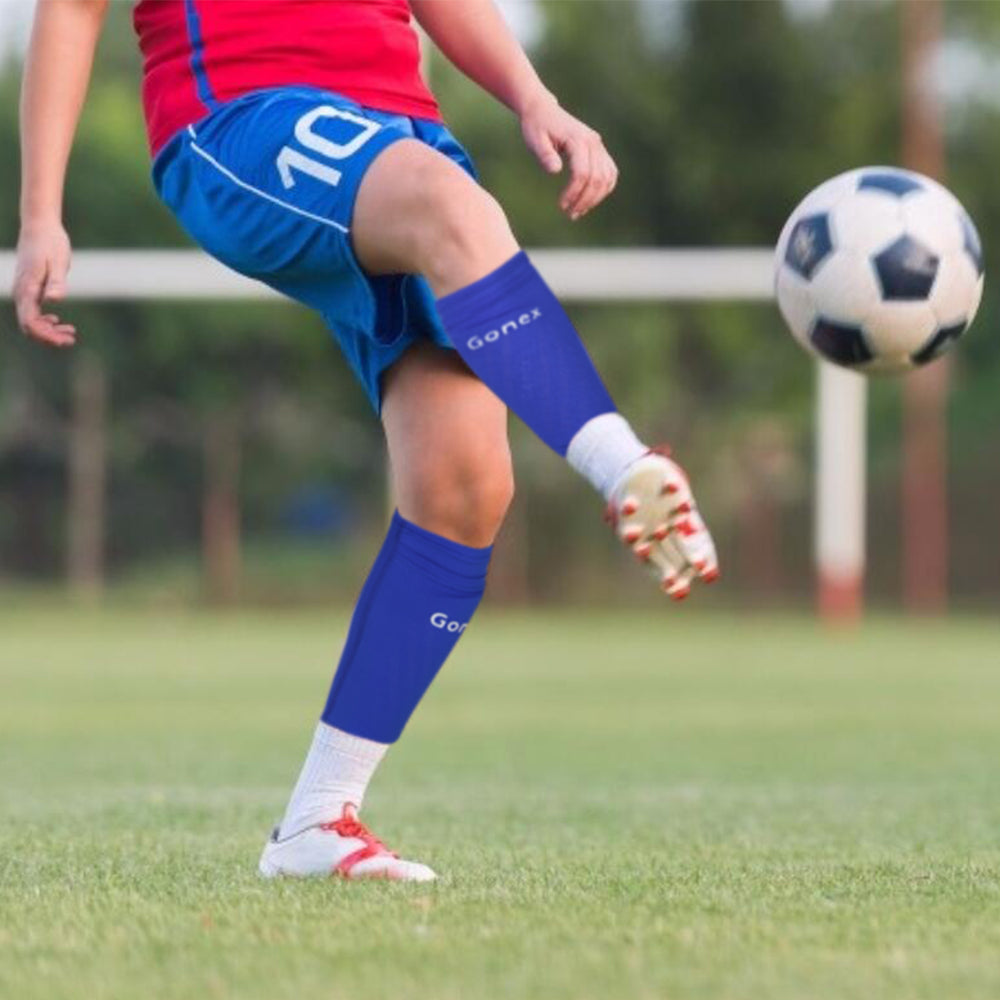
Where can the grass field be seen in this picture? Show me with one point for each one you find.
(666, 806)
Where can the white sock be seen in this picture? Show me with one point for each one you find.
(337, 770)
(602, 449)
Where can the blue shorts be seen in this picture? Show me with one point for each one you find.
(266, 183)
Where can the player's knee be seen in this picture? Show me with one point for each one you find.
(466, 499)
(494, 497)
(468, 232)
(480, 494)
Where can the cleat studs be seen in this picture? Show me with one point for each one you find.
(680, 595)
(669, 489)
(661, 531)
(629, 506)
(682, 508)
(632, 534)
(643, 551)
(710, 576)
(667, 582)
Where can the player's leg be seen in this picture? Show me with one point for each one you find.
(417, 211)
(447, 440)
(447, 435)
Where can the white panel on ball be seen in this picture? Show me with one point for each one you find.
(934, 220)
(956, 292)
(845, 288)
(866, 221)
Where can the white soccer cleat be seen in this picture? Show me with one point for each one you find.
(654, 514)
(344, 847)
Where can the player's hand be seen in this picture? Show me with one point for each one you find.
(554, 135)
(43, 256)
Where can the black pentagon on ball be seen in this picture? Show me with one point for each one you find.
(809, 244)
(840, 342)
(906, 270)
(972, 244)
(939, 343)
(893, 182)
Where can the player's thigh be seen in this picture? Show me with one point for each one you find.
(448, 447)
(417, 211)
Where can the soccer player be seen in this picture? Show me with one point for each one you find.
(296, 142)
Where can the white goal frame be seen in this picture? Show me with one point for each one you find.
(588, 275)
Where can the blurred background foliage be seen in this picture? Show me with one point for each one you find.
(722, 114)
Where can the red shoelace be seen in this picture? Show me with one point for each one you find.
(349, 826)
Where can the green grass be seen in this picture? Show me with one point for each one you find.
(663, 806)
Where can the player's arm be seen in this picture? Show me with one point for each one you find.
(475, 37)
(56, 75)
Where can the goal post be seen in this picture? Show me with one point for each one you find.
(588, 275)
(840, 492)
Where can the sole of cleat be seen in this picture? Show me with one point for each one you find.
(658, 520)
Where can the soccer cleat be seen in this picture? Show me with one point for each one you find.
(344, 847)
(654, 514)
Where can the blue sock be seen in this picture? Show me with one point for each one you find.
(512, 332)
(416, 602)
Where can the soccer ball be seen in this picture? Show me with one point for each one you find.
(879, 270)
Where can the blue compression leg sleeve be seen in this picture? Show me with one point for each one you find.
(416, 602)
(512, 332)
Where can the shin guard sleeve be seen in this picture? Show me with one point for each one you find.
(512, 332)
(414, 606)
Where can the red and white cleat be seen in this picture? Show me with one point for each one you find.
(344, 847)
(654, 514)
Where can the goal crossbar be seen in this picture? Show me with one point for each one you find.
(643, 275)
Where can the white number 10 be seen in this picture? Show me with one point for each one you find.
(291, 159)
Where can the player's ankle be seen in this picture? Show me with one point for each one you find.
(337, 771)
(603, 449)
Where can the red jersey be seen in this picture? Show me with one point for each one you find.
(198, 53)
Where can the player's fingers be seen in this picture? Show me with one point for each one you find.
(54, 289)
(612, 173)
(27, 298)
(601, 180)
(609, 175)
(57, 323)
(54, 328)
(578, 154)
(48, 330)
(541, 144)
(591, 194)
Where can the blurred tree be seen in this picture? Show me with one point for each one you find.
(722, 113)
(177, 373)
